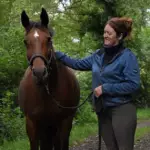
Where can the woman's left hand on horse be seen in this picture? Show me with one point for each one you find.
(98, 91)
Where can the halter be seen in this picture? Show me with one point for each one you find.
(46, 62)
(38, 55)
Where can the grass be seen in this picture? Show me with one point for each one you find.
(143, 114)
(81, 132)
(141, 132)
(78, 134)
(16, 145)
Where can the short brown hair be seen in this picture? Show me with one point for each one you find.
(121, 25)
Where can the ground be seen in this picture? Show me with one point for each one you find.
(143, 144)
(91, 143)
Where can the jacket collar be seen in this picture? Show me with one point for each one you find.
(113, 50)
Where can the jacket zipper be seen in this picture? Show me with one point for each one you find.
(101, 70)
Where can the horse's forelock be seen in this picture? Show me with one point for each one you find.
(39, 26)
(35, 24)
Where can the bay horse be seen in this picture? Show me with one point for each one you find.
(45, 84)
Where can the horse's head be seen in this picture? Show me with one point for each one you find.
(38, 42)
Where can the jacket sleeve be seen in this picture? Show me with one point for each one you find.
(131, 79)
(84, 64)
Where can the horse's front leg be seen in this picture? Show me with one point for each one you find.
(32, 132)
(64, 133)
(46, 138)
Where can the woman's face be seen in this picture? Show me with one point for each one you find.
(110, 36)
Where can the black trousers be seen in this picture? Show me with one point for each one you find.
(117, 126)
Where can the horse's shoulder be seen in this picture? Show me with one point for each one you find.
(27, 72)
(25, 77)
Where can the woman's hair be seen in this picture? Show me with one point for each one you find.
(121, 25)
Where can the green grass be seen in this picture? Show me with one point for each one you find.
(143, 114)
(78, 134)
(16, 145)
(141, 132)
(81, 132)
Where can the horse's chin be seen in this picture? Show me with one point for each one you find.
(40, 81)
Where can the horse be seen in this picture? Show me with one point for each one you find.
(46, 85)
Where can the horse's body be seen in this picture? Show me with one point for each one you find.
(48, 125)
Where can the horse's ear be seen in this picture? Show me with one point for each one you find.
(25, 19)
(44, 18)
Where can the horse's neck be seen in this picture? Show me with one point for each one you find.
(53, 74)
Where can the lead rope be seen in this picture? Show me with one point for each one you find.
(64, 107)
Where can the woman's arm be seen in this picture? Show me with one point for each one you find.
(132, 79)
(84, 64)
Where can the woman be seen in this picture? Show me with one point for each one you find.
(115, 76)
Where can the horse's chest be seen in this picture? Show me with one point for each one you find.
(45, 109)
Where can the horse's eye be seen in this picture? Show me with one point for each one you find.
(49, 39)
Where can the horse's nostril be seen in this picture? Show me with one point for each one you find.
(45, 71)
(34, 72)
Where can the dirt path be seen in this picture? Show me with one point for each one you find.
(92, 142)
(143, 144)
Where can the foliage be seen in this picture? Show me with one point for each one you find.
(11, 122)
(12, 60)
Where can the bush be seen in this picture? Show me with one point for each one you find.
(85, 115)
(11, 122)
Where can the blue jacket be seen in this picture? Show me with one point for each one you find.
(119, 78)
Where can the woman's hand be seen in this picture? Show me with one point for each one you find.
(98, 91)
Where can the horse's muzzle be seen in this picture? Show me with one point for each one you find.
(40, 74)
